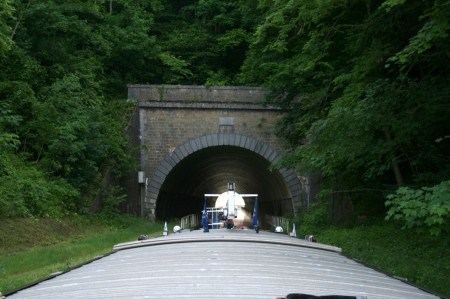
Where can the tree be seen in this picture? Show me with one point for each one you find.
(5, 29)
(208, 38)
(367, 85)
(59, 134)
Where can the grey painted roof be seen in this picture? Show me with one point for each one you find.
(222, 264)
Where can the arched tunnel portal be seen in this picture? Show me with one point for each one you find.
(216, 161)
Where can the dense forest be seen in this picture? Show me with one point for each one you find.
(366, 84)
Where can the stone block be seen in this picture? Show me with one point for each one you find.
(204, 142)
(159, 177)
(209, 139)
(198, 144)
(253, 144)
(181, 152)
(215, 139)
(273, 157)
(165, 167)
(248, 143)
(263, 150)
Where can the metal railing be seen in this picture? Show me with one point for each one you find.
(189, 221)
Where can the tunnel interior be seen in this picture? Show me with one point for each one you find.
(209, 170)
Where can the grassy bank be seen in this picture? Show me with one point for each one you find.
(31, 249)
(420, 258)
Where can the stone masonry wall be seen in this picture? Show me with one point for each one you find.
(192, 93)
(168, 128)
(172, 115)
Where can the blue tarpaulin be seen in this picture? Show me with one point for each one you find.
(205, 219)
(255, 222)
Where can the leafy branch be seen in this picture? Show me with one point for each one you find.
(427, 208)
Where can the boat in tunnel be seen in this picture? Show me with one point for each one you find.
(230, 210)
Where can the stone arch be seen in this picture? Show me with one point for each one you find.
(193, 145)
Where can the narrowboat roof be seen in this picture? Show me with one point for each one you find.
(223, 264)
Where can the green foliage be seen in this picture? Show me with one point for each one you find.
(110, 203)
(207, 38)
(217, 79)
(433, 34)
(5, 30)
(366, 87)
(427, 208)
(7, 140)
(58, 131)
(132, 54)
(317, 217)
(177, 68)
(389, 4)
(27, 191)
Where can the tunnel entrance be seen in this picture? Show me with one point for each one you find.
(209, 170)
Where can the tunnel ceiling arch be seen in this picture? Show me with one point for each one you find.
(206, 164)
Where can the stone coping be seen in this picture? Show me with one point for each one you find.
(225, 235)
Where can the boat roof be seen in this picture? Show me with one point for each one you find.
(223, 264)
